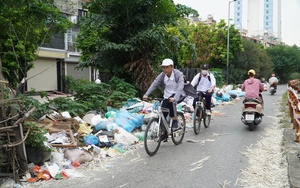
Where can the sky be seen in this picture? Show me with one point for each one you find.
(290, 15)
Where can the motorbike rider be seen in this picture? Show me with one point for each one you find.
(252, 87)
(273, 81)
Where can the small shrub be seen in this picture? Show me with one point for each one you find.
(36, 137)
(98, 96)
(61, 104)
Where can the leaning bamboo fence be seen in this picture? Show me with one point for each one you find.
(294, 106)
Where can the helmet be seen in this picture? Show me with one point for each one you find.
(273, 75)
(167, 62)
(219, 94)
(204, 66)
(251, 71)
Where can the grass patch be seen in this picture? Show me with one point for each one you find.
(285, 121)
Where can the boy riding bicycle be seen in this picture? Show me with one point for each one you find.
(204, 83)
(173, 83)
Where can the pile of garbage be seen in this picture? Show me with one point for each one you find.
(78, 140)
(74, 141)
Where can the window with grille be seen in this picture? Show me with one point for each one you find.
(71, 36)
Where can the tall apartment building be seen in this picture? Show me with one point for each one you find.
(259, 19)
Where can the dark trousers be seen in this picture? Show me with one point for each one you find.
(173, 111)
(274, 85)
(207, 99)
(171, 106)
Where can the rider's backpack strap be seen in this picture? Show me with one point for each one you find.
(200, 76)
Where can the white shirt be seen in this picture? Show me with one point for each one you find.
(170, 86)
(272, 80)
(204, 83)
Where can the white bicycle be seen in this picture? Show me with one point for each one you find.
(156, 125)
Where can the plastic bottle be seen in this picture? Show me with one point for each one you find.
(139, 135)
(96, 149)
(143, 127)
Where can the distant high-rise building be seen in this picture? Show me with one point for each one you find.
(258, 18)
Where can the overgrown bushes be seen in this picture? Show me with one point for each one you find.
(86, 96)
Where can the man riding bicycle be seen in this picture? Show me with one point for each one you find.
(173, 83)
(204, 83)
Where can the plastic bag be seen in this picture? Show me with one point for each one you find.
(131, 102)
(91, 140)
(78, 155)
(125, 137)
(105, 125)
(128, 121)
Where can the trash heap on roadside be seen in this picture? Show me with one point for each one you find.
(78, 140)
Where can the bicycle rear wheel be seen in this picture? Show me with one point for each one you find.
(178, 134)
(197, 119)
(152, 137)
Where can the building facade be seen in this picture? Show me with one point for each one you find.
(60, 57)
(259, 19)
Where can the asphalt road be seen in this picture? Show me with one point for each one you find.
(219, 148)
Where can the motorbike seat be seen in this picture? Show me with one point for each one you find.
(251, 100)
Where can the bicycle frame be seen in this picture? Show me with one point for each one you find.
(202, 115)
(154, 130)
(202, 104)
(161, 118)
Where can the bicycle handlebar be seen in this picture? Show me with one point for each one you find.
(151, 99)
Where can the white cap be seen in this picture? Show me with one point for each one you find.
(167, 62)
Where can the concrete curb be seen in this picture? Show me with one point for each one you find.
(292, 149)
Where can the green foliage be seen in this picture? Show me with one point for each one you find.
(23, 35)
(98, 96)
(36, 137)
(119, 85)
(209, 44)
(285, 60)
(61, 104)
(86, 96)
(29, 102)
(253, 57)
(129, 37)
(220, 77)
(294, 76)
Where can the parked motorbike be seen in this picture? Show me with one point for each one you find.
(273, 89)
(252, 113)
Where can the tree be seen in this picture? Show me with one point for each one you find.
(210, 44)
(129, 38)
(254, 57)
(26, 24)
(285, 60)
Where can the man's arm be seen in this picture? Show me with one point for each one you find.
(157, 82)
(195, 80)
(261, 86)
(243, 87)
(213, 81)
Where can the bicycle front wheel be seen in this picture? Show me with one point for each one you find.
(152, 137)
(206, 120)
(197, 119)
(178, 134)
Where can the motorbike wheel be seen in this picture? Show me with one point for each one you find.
(251, 126)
